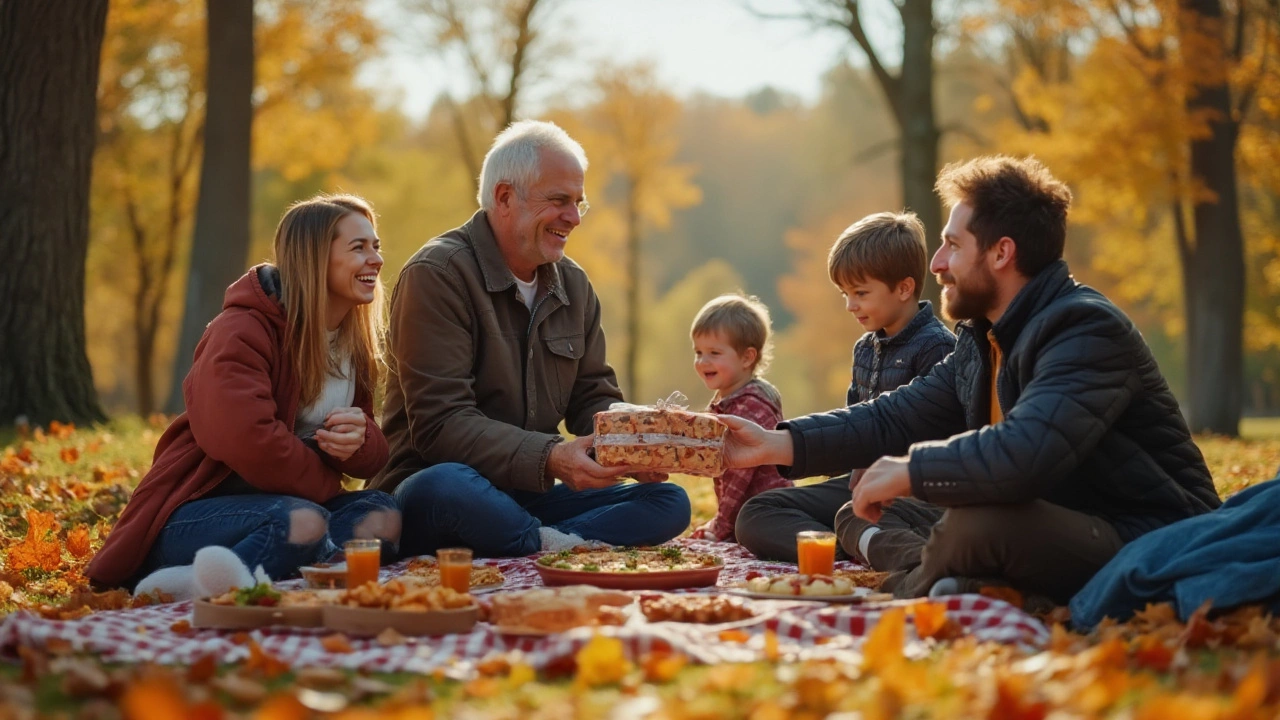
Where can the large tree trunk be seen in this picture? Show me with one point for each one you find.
(632, 364)
(1215, 278)
(48, 104)
(221, 243)
(919, 126)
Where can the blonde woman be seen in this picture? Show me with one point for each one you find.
(279, 402)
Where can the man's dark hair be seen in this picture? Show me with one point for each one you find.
(1014, 197)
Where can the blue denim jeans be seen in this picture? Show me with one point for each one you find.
(452, 504)
(256, 528)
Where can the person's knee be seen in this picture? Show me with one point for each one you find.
(446, 482)
(307, 526)
(753, 518)
(670, 509)
(384, 524)
(983, 524)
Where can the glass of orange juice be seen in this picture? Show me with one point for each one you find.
(455, 568)
(816, 551)
(364, 556)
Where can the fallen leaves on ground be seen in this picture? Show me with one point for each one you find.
(62, 489)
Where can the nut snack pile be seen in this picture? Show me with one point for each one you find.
(662, 438)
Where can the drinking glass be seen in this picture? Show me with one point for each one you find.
(455, 568)
(364, 556)
(816, 552)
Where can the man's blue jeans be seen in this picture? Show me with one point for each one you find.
(256, 528)
(452, 504)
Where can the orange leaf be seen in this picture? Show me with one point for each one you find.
(1011, 702)
(207, 710)
(1002, 592)
(662, 667)
(202, 670)
(69, 454)
(284, 706)
(39, 549)
(60, 430)
(1151, 652)
(336, 643)
(270, 666)
(932, 622)
(78, 541)
(883, 646)
(153, 698)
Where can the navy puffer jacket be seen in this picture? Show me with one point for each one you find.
(881, 363)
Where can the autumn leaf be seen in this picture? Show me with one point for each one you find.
(1002, 592)
(336, 643)
(69, 454)
(203, 670)
(931, 621)
(61, 431)
(662, 667)
(883, 646)
(602, 661)
(78, 541)
(153, 698)
(283, 706)
(40, 548)
(264, 662)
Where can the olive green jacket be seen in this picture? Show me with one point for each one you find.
(474, 377)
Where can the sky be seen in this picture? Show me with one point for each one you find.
(717, 47)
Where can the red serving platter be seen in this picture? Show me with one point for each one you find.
(669, 580)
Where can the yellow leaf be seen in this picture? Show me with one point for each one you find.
(602, 661)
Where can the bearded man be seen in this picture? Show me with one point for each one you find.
(1049, 434)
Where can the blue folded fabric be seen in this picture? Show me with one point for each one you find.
(1230, 556)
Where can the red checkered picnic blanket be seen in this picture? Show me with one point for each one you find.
(804, 629)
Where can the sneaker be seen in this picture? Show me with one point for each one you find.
(554, 541)
(956, 586)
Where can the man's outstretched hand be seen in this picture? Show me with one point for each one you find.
(748, 445)
(570, 463)
(887, 478)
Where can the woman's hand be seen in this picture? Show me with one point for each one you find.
(343, 432)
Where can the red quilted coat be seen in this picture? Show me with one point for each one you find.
(241, 397)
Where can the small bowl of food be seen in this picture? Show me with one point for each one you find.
(325, 575)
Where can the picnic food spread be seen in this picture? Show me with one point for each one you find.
(663, 438)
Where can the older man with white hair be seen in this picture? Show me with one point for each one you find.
(495, 339)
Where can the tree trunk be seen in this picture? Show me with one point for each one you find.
(221, 244)
(633, 292)
(1214, 282)
(919, 126)
(48, 105)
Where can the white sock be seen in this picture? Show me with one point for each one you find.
(178, 581)
(553, 540)
(218, 569)
(864, 541)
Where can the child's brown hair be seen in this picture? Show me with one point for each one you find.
(743, 320)
(886, 246)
